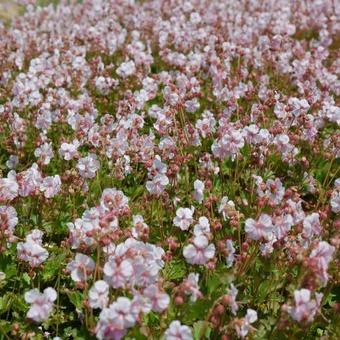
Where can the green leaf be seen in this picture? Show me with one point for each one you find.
(201, 330)
(10, 271)
(76, 298)
(26, 278)
(52, 266)
(197, 310)
(174, 270)
(5, 327)
(5, 302)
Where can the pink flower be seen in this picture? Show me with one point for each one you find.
(176, 331)
(117, 274)
(184, 218)
(126, 69)
(69, 150)
(50, 186)
(81, 267)
(88, 166)
(246, 322)
(99, 295)
(159, 300)
(41, 303)
(192, 287)
(8, 187)
(8, 220)
(116, 319)
(198, 193)
(158, 184)
(320, 258)
(200, 251)
(32, 251)
(305, 308)
(263, 228)
(311, 225)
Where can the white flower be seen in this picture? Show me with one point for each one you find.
(158, 184)
(321, 256)
(114, 200)
(12, 162)
(282, 225)
(41, 303)
(99, 295)
(9, 187)
(88, 166)
(139, 226)
(275, 190)
(117, 274)
(198, 193)
(335, 198)
(305, 308)
(200, 252)
(311, 225)
(81, 267)
(184, 218)
(50, 186)
(192, 286)
(176, 331)
(69, 150)
(263, 228)
(8, 219)
(32, 251)
(202, 227)
(246, 322)
(231, 253)
(126, 69)
(116, 319)
(159, 300)
(226, 206)
(44, 153)
(232, 293)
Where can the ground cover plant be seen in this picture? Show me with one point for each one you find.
(169, 169)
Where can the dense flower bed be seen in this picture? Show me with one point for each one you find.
(169, 170)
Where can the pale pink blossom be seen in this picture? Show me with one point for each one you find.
(8, 187)
(192, 287)
(81, 267)
(198, 193)
(88, 166)
(99, 295)
(184, 218)
(41, 304)
(177, 331)
(69, 150)
(200, 251)
(263, 228)
(159, 300)
(50, 186)
(311, 225)
(305, 307)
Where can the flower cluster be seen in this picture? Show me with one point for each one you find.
(170, 167)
